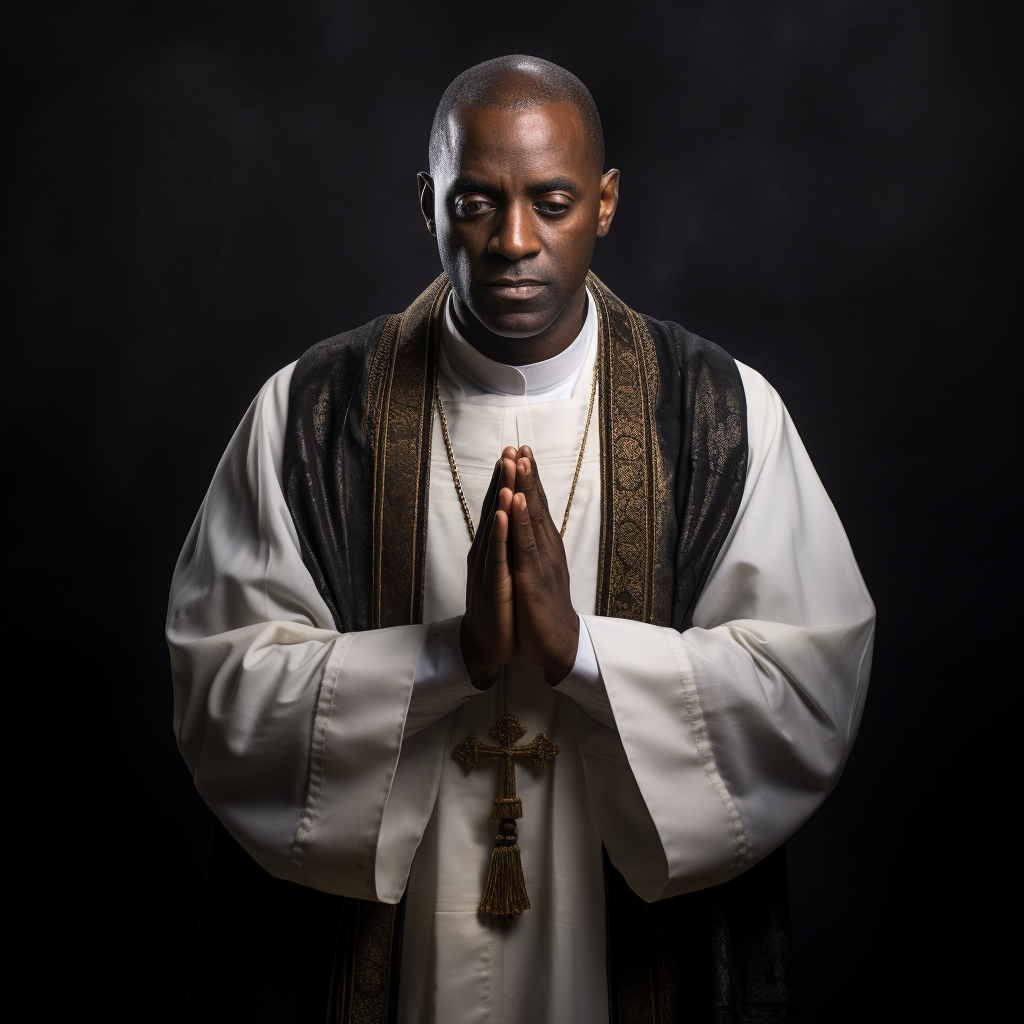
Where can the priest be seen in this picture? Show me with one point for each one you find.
(514, 636)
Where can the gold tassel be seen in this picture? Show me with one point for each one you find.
(505, 891)
(507, 807)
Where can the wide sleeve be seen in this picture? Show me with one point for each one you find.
(729, 735)
(295, 733)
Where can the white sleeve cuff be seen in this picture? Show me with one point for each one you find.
(584, 683)
(441, 683)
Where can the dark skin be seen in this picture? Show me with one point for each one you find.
(522, 204)
(517, 206)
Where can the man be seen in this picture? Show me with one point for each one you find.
(518, 515)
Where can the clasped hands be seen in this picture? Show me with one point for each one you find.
(517, 584)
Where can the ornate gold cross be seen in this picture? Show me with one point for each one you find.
(505, 891)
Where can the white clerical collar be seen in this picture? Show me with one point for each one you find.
(530, 379)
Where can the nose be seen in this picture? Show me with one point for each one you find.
(515, 234)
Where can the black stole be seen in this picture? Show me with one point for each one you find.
(356, 477)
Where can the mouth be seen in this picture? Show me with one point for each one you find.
(515, 288)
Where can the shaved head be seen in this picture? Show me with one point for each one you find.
(514, 83)
(517, 199)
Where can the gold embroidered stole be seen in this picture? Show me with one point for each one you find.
(632, 486)
(399, 425)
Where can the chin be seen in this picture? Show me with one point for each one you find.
(513, 323)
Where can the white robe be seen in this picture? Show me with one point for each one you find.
(692, 756)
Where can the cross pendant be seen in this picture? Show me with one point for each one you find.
(540, 750)
(505, 893)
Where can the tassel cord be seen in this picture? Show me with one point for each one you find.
(505, 892)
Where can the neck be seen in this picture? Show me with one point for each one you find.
(555, 338)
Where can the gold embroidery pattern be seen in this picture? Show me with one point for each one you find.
(361, 989)
(630, 460)
(401, 393)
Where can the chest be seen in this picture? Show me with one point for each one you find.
(478, 434)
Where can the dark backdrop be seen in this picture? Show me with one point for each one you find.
(198, 192)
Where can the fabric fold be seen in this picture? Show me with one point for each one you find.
(663, 738)
(357, 741)
(731, 733)
(292, 730)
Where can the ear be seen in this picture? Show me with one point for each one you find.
(425, 184)
(609, 201)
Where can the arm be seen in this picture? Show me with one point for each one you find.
(319, 751)
(727, 737)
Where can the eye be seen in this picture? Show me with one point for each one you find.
(469, 206)
(553, 206)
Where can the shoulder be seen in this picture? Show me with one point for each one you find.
(337, 360)
(679, 348)
(698, 379)
(318, 371)
(271, 405)
(692, 352)
(765, 411)
(773, 438)
(690, 356)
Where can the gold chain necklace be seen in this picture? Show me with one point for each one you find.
(455, 468)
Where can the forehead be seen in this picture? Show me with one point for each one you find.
(545, 140)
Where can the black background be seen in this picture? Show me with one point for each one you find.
(198, 192)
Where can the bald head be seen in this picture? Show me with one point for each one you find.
(517, 199)
(514, 83)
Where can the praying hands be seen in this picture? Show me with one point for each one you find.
(517, 584)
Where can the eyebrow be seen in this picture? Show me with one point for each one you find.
(462, 185)
(557, 184)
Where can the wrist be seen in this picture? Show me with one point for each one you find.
(562, 663)
(481, 674)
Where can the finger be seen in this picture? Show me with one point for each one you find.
(492, 490)
(497, 550)
(527, 484)
(523, 535)
(526, 452)
(505, 507)
(508, 469)
(504, 503)
(508, 461)
(487, 509)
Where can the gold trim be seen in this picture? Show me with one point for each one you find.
(630, 460)
(400, 395)
(378, 403)
(401, 400)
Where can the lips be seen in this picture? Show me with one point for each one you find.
(513, 288)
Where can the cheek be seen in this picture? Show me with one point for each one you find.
(456, 236)
(454, 251)
(574, 245)
(449, 239)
